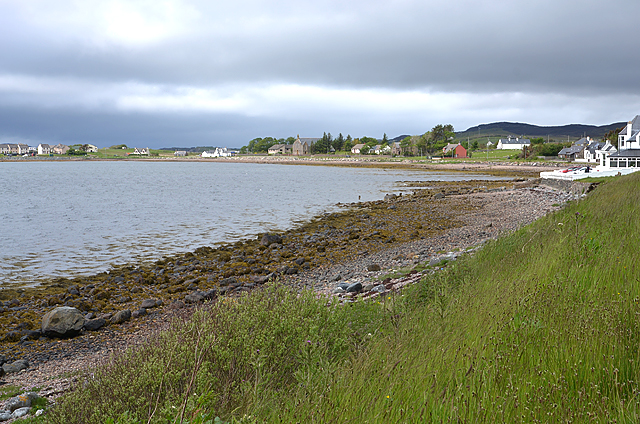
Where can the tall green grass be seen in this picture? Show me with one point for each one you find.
(228, 358)
(539, 326)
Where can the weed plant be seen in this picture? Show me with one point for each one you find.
(233, 356)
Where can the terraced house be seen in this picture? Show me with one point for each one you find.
(14, 149)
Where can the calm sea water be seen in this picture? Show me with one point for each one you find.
(79, 218)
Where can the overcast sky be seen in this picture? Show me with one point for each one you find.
(162, 73)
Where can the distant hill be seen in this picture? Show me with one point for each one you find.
(398, 138)
(557, 132)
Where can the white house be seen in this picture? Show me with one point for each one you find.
(628, 154)
(44, 149)
(595, 150)
(219, 152)
(356, 149)
(512, 143)
(91, 148)
(140, 151)
(380, 149)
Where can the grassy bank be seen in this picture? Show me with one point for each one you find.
(539, 326)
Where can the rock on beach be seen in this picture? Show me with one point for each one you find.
(63, 321)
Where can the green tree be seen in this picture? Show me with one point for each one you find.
(348, 144)
(338, 143)
(440, 136)
(385, 139)
(612, 136)
(407, 146)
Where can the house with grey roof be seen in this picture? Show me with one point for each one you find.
(302, 146)
(628, 154)
(44, 149)
(571, 153)
(60, 149)
(14, 149)
(596, 150)
(280, 149)
(357, 149)
(512, 143)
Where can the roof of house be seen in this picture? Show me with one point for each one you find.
(277, 146)
(626, 153)
(571, 150)
(308, 140)
(515, 141)
(358, 146)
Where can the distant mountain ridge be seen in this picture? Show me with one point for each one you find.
(517, 128)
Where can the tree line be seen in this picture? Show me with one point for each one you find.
(429, 142)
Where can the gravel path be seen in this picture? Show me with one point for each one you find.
(487, 215)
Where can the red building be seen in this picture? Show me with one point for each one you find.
(454, 151)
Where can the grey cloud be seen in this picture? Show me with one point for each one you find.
(582, 50)
(571, 46)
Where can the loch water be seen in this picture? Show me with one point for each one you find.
(81, 217)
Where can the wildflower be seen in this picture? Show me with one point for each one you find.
(387, 396)
(308, 341)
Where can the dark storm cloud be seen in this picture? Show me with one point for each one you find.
(219, 64)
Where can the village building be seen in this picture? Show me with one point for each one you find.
(219, 152)
(513, 143)
(380, 149)
(357, 149)
(302, 146)
(571, 153)
(396, 149)
(44, 149)
(90, 148)
(60, 149)
(280, 149)
(454, 151)
(628, 154)
(140, 151)
(180, 153)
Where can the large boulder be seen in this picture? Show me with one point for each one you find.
(269, 239)
(15, 367)
(62, 321)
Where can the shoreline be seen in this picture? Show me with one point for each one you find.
(494, 168)
(459, 216)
